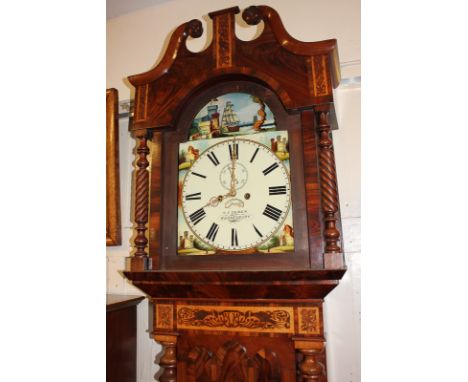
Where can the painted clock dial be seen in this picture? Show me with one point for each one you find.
(236, 195)
(234, 192)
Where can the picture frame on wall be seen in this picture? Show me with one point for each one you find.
(113, 222)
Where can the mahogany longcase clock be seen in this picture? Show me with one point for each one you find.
(236, 202)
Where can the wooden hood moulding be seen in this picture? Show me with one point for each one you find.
(312, 67)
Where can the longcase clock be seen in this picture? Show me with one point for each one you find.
(238, 232)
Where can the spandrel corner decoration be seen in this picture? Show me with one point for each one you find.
(238, 233)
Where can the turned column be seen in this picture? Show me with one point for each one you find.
(139, 260)
(309, 368)
(328, 187)
(168, 361)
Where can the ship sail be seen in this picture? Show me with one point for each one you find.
(230, 121)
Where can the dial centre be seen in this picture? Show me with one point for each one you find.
(233, 174)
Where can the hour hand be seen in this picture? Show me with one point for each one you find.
(214, 201)
(232, 191)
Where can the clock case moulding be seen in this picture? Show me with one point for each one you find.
(295, 79)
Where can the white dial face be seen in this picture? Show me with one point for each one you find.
(236, 195)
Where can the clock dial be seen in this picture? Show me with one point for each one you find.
(236, 195)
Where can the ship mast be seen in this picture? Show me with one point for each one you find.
(230, 118)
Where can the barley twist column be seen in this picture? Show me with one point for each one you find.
(328, 185)
(141, 205)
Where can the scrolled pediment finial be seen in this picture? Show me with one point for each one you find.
(252, 15)
(194, 28)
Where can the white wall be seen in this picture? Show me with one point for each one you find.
(136, 42)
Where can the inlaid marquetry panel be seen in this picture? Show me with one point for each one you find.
(319, 78)
(308, 320)
(278, 319)
(164, 316)
(224, 40)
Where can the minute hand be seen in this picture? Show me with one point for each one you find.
(232, 191)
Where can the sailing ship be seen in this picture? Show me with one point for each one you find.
(230, 121)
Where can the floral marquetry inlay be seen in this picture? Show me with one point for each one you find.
(164, 316)
(319, 76)
(224, 43)
(309, 320)
(237, 318)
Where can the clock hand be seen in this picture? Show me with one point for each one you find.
(215, 200)
(232, 191)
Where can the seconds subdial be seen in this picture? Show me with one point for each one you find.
(241, 176)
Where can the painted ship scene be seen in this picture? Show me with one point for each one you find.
(230, 115)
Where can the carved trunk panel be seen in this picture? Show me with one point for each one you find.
(212, 358)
